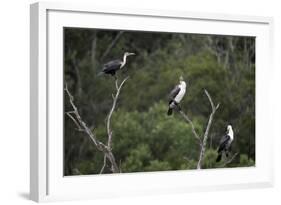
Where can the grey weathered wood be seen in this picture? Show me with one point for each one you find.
(230, 160)
(202, 142)
(196, 135)
(82, 126)
(115, 98)
(205, 138)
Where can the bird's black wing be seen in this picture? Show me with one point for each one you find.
(112, 65)
(174, 92)
(223, 142)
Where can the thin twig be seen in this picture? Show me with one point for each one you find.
(115, 98)
(192, 126)
(75, 122)
(104, 164)
(83, 125)
(116, 84)
(111, 45)
(230, 160)
(120, 165)
(100, 146)
(186, 158)
(205, 138)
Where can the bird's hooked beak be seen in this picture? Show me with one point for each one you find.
(181, 78)
(229, 127)
(131, 54)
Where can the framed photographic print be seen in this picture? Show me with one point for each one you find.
(128, 101)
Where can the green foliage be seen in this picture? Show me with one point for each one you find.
(245, 161)
(210, 159)
(150, 136)
(156, 165)
(189, 164)
(137, 159)
(144, 137)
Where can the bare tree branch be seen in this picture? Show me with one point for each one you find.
(230, 160)
(104, 164)
(114, 166)
(120, 165)
(94, 46)
(73, 119)
(99, 145)
(205, 138)
(115, 98)
(75, 67)
(77, 171)
(111, 45)
(106, 149)
(202, 142)
(196, 135)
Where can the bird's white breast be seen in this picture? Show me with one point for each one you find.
(231, 135)
(180, 95)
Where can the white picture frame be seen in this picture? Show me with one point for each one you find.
(47, 182)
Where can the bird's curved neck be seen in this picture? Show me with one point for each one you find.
(124, 60)
(230, 133)
(183, 84)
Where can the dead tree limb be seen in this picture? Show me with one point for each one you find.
(205, 138)
(115, 98)
(75, 121)
(111, 45)
(202, 141)
(82, 126)
(104, 164)
(230, 160)
(94, 47)
(196, 135)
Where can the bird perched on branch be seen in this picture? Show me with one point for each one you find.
(176, 96)
(225, 143)
(113, 66)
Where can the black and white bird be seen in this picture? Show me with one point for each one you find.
(225, 143)
(113, 66)
(176, 96)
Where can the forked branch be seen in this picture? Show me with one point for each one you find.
(205, 138)
(106, 149)
(230, 160)
(202, 141)
(186, 118)
(81, 125)
(115, 98)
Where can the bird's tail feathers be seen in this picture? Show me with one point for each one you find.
(100, 74)
(227, 154)
(170, 111)
(219, 157)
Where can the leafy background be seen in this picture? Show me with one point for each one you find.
(144, 137)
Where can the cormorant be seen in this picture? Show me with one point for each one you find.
(176, 96)
(113, 66)
(225, 143)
